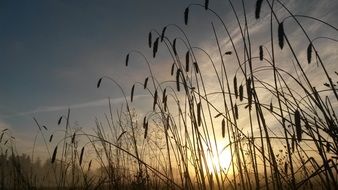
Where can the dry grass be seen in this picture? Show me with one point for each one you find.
(279, 132)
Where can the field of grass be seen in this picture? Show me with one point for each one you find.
(240, 115)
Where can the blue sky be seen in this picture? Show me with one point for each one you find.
(53, 52)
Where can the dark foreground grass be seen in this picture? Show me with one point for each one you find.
(276, 126)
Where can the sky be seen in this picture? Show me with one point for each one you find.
(53, 52)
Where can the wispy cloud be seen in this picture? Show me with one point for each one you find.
(90, 104)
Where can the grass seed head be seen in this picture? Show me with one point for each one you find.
(172, 69)
(187, 55)
(99, 83)
(132, 93)
(60, 119)
(54, 154)
(51, 138)
(81, 156)
(241, 92)
(127, 60)
(196, 67)
(309, 53)
(258, 8)
(178, 79)
(236, 111)
(155, 47)
(199, 118)
(150, 41)
(155, 100)
(146, 130)
(235, 87)
(298, 125)
(281, 35)
(163, 33)
(223, 128)
(73, 138)
(174, 47)
(186, 15)
(145, 83)
(206, 4)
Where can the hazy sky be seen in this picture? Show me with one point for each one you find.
(52, 52)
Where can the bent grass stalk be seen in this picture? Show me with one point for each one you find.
(280, 131)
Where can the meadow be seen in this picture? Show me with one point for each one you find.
(241, 115)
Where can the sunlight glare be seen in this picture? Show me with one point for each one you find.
(220, 162)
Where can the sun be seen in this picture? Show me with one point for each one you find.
(219, 162)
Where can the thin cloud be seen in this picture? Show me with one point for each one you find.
(90, 104)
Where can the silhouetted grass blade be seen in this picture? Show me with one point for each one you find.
(206, 4)
(120, 136)
(328, 147)
(89, 165)
(51, 138)
(258, 8)
(261, 53)
(167, 122)
(281, 35)
(216, 116)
